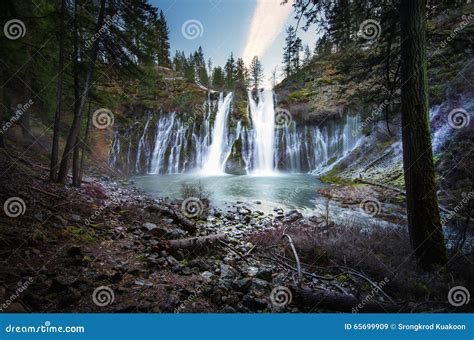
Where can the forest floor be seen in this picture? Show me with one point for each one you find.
(108, 247)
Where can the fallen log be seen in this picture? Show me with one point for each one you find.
(342, 302)
(193, 242)
(176, 216)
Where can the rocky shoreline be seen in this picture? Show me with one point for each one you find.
(73, 244)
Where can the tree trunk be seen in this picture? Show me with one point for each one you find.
(76, 123)
(84, 143)
(2, 105)
(424, 222)
(192, 242)
(342, 303)
(25, 121)
(75, 156)
(57, 116)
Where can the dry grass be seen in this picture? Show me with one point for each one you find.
(379, 254)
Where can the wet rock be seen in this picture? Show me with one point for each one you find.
(186, 271)
(199, 263)
(76, 218)
(279, 211)
(243, 211)
(172, 261)
(265, 274)
(207, 275)
(254, 303)
(227, 272)
(243, 285)
(149, 226)
(292, 216)
(228, 309)
(170, 303)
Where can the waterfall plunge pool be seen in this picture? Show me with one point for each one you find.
(287, 191)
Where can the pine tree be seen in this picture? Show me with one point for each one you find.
(256, 72)
(241, 73)
(288, 51)
(230, 71)
(295, 55)
(218, 78)
(164, 42)
(307, 55)
(424, 222)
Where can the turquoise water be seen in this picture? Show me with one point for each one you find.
(286, 191)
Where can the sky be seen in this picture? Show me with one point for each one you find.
(244, 27)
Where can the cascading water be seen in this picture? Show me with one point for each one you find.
(174, 143)
(143, 147)
(263, 120)
(219, 149)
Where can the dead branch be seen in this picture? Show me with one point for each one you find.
(297, 259)
(341, 302)
(177, 217)
(233, 250)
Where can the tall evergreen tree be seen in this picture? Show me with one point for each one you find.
(256, 72)
(218, 78)
(424, 222)
(241, 73)
(230, 71)
(164, 41)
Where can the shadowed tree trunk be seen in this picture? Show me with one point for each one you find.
(84, 143)
(72, 138)
(57, 116)
(424, 222)
(25, 121)
(75, 177)
(2, 105)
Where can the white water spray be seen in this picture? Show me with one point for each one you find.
(219, 149)
(263, 119)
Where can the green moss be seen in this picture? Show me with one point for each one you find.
(342, 278)
(81, 233)
(333, 178)
(141, 258)
(300, 95)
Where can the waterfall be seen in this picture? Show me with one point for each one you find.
(164, 131)
(175, 142)
(143, 146)
(219, 149)
(263, 120)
